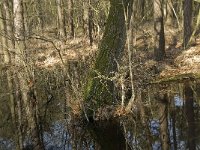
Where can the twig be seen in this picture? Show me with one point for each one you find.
(50, 41)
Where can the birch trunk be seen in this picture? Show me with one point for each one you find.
(24, 80)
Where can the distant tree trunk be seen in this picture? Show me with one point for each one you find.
(142, 7)
(84, 17)
(61, 19)
(159, 35)
(87, 20)
(90, 22)
(163, 119)
(100, 88)
(9, 28)
(131, 34)
(40, 14)
(71, 17)
(189, 113)
(187, 14)
(169, 13)
(5, 27)
(25, 18)
(2, 39)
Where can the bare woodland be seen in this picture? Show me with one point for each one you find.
(98, 60)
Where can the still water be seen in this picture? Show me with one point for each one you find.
(165, 117)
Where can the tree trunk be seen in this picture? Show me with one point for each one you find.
(71, 17)
(90, 23)
(84, 17)
(40, 14)
(100, 88)
(187, 14)
(23, 79)
(159, 35)
(169, 13)
(8, 47)
(142, 8)
(26, 19)
(61, 19)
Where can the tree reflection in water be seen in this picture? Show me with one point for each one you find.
(169, 121)
(189, 114)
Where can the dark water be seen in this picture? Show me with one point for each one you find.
(165, 117)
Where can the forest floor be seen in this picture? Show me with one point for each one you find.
(177, 62)
(183, 61)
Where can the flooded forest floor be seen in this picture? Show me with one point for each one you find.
(76, 57)
(61, 68)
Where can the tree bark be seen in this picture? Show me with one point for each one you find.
(84, 17)
(40, 14)
(100, 88)
(169, 14)
(159, 35)
(90, 23)
(187, 14)
(142, 8)
(24, 81)
(61, 19)
(8, 47)
(71, 17)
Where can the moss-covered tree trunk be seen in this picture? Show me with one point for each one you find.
(100, 88)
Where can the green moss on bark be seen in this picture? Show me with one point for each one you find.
(100, 89)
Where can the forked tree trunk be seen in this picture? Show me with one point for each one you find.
(159, 35)
(100, 88)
